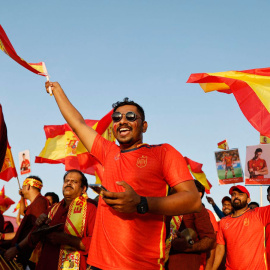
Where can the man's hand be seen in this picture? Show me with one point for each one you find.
(54, 86)
(20, 192)
(124, 202)
(42, 220)
(11, 253)
(210, 200)
(57, 238)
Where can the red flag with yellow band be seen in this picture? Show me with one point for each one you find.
(63, 146)
(251, 89)
(8, 170)
(196, 169)
(5, 202)
(6, 47)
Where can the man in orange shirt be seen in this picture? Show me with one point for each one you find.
(242, 234)
(130, 232)
(256, 166)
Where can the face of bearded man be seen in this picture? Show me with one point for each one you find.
(240, 200)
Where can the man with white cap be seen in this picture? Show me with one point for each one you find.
(242, 233)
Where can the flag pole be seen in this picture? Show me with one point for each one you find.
(47, 77)
(18, 182)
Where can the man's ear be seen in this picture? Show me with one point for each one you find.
(145, 126)
(248, 200)
(84, 190)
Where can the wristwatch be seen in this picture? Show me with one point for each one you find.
(142, 207)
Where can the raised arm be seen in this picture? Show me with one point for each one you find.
(85, 133)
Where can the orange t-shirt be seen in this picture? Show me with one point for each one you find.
(228, 161)
(245, 239)
(134, 241)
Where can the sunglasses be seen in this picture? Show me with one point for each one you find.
(130, 116)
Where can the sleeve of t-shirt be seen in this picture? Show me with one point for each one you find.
(213, 220)
(100, 148)
(91, 217)
(203, 225)
(220, 236)
(264, 214)
(218, 211)
(175, 167)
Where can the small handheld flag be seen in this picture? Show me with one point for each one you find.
(223, 145)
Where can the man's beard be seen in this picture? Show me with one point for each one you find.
(238, 205)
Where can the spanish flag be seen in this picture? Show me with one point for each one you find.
(8, 170)
(6, 47)
(251, 89)
(223, 145)
(18, 205)
(63, 146)
(3, 138)
(196, 169)
(5, 202)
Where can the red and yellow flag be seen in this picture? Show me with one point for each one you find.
(18, 205)
(251, 89)
(196, 169)
(3, 138)
(264, 139)
(223, 145)
(8, 170)
(63, 146)
(5, 202)
(6, 47)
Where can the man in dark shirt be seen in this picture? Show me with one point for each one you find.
(184, 255)
(39, 204)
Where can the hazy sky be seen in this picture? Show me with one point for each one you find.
(103, 51)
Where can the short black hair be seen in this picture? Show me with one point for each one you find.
(268, 189)
(126, 101)
(84, 182)
(258, 150)
(200, 187)
(254, 203)
(36, 178)
(54, 196)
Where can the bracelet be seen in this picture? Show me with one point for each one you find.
(18, 247)
(3, 236)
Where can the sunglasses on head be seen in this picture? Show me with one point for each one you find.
(130, 116)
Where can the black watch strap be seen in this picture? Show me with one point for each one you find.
(142, 207)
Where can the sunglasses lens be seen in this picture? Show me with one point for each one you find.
(131, 116)
(116, 116)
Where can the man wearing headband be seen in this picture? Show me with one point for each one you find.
(67, 247)
(137, 177)
(242, 234)
(31, 188)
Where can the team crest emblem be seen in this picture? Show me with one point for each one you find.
(246, 222)
(142, 161)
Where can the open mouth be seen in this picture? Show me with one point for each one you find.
(124, 130)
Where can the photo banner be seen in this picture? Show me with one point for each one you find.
(24, 161)
(229, 167)
(257, 162)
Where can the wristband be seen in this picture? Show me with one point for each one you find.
(2, 236)
(18, 247)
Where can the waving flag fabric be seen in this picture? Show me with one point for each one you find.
(251, 89)
(196, 169)
(8, 170)
(18, 205)
(6, 47)
(63, 146)
(3, 138)
(223, 145)
(5, 202)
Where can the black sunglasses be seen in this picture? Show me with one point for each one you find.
(130, 116)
